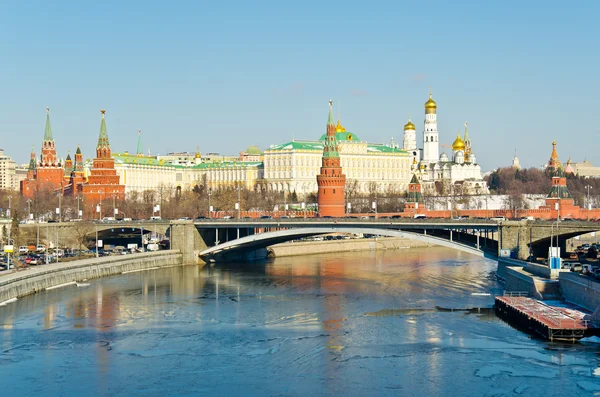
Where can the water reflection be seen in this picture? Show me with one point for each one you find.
(396, 322)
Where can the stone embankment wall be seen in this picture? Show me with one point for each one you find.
(517, 279)
(581, 290)
(332, 246)
(34, 279)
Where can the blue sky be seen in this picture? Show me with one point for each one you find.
(225, 75)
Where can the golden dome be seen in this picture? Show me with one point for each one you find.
(458, 143)
(409, 126)
(430, 104)
(339, 127)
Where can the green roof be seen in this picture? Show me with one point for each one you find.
(254, 150)
(299, 145)
(319, 145)
(152, 161)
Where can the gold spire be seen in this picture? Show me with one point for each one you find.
(103, 111)
(339, 127)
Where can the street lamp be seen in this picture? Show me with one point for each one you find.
(589, 204)
(98, 210)
(238, 205)
(210, 208)
(29, 216)
(58, 209)
(79, 212)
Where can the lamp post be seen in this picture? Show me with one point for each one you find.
(209, 206)
(99, 211)
(96, 240)
(29, 216)
(9, 229)
(239, 202)
(589, 204)
(58, 209)
(79, 212)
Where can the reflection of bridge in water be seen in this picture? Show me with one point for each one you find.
(222, 239)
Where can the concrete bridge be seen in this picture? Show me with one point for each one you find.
(222, 239)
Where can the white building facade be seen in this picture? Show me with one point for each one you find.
(294, 166)
(9, 177)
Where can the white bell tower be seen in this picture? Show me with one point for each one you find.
(431, 148)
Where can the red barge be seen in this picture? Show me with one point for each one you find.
(551, 322)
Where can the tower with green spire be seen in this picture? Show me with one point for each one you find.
(103, 184)
(32, 164)
(331, 180)
(48, 156)
(103, 146)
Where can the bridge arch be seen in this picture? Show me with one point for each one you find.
(257, 241)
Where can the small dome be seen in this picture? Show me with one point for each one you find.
(409, 126)
(339, 127)
(458, 143)
(444, 157)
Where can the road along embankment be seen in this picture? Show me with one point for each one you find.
(34, 279)
(332, 246)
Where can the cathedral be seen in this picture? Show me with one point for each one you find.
(439, 173)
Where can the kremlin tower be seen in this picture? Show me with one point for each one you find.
(48, 173)
(103, 182)
(331, 181)
(431, 151)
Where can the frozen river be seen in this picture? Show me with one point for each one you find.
(400, 323)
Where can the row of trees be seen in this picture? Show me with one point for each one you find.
(175, 203)
(516, 183)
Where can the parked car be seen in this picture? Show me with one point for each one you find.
(576, 267)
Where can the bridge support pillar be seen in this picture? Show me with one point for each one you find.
(477, 240)
(186, 238)
(450, 235)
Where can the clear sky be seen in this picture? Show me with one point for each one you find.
(223, 75)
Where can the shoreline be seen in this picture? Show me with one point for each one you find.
(26, 282)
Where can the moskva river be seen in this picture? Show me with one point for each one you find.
(399, 323)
